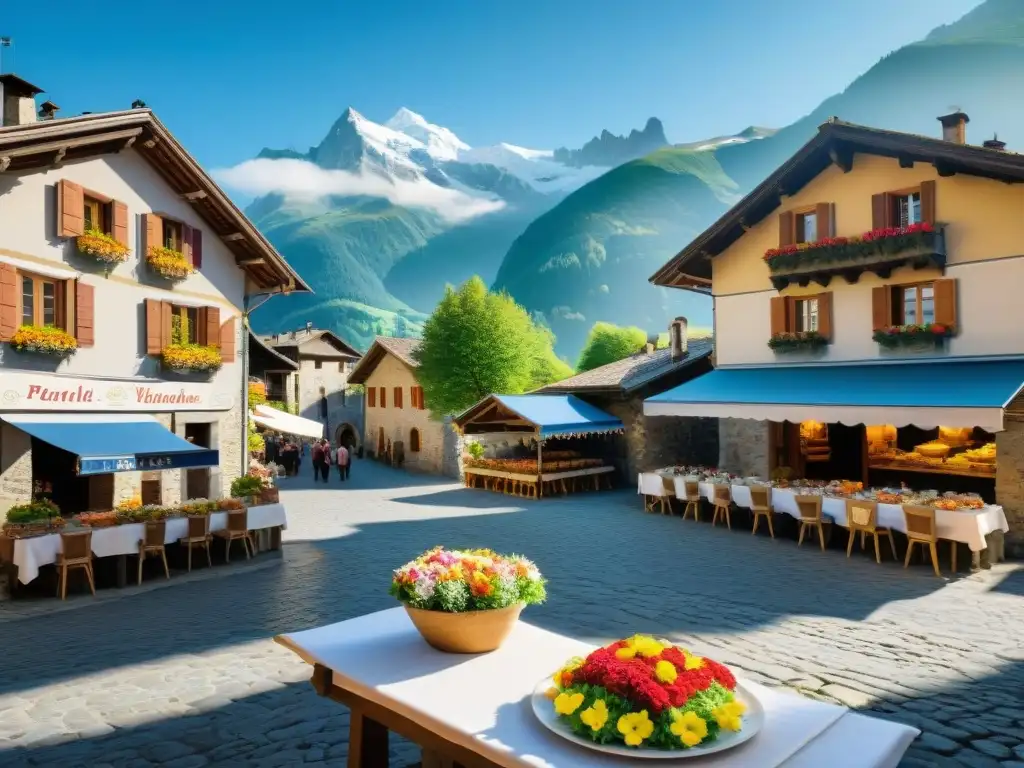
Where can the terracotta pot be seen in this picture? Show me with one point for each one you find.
(270, 495)
(468, 632)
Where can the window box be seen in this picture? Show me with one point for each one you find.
(168, 263)
(913, 335)
(799, 341)
(44, 340)
(879, 251)
(190, 358)
(102, 247)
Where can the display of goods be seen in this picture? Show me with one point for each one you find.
(984, 455)
(97, 519)
(849, 487)
(647, 694)
(230, 504)
(882, 497)
(954, 502)
(933, 450)
(529, 466)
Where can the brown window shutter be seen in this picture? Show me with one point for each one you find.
(70, 209)
(186, 245)
(787, 229)
(154, 338)
(371, 397)
(823, 218)
(197, 248)
(166, 312)
(212, 330)
(880, 211)
(422, 404)
(398, 397)
(945, 302)
(780, 305)
(825, 314)
(227, 341)
(120, 222)
(8, 301)
(153, 229)
(66, 298)
(85, 312)
(383, 397)
(928, 201)
(881, 307)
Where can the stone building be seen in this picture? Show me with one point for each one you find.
(94, 407)
(620, 388)
(316, 386)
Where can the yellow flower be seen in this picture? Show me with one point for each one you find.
(640, 645)
(690, 727)
(551, 693)
(694, 662)
(665, 671)
(635, 727)
(567, 703)
(626, 652)
(728, 716)
(563, 676)
(596, 715)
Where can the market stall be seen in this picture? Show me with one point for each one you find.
(573, 429)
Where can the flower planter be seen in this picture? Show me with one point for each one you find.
(783, 343)
(103, 248)
(270, 494)
(169, 264)
(466, 632)
(913, 336)
(44, 340)
(189, 359)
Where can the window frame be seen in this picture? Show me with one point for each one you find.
(318, 365)
(103, 208)
(175, 229)
(899, 305)
(800, 217)
(896, 196)
(799, 302)
(59, 300)
(196, 323)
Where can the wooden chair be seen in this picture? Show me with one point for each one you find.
(721, 499)
(152, 543)
(76, 552)
(198, 536)
(921, 530)
(761, 506)
(811, 518)
(653, 488)
(862, 517)
(238, 528)
(691, 495)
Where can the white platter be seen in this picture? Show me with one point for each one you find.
(753, 721)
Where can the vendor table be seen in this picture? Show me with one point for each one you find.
(32, 553)
(475, 709)
(535, 485)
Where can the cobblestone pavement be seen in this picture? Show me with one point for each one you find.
(187, 675)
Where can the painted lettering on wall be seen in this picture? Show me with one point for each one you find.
(29, 391)
(77, 394)
(149, 397)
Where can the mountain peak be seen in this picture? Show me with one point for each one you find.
(405, 116)
(440, 143)
(608, 150)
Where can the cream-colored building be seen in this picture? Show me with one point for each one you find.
(394, 407)
(80, 427)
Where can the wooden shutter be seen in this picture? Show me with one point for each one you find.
(153, 231)
(70, 209)
(823, 220)
(787, 229)
(8, 301)
(119, 218)
(166, 314)
(101, 492)
(371, 397)
(780, 306)
(928, 201)
(85, 312)
(398, 397)
(186, 245)
(825, 314)
(880, 211)
(210, 332)
(881, 307)
(67, 296)
(945, 301)
(227, 341)
(197, 248)
(154, 338)
(383, 397)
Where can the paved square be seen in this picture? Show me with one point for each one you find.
(186, 674)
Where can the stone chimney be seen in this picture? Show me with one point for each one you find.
(994, 143)
(954, 127)
(17, 101)
(677, 338)
(48, 110)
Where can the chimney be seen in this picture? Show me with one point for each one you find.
(17, 101)
(309, 327)
(48, 110)
(994, 143)
(954, 127)
(677, 338)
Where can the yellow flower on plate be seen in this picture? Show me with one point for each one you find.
(596, 715)
(635, 727)
(729, 716)
(665, 671)
(689, 727)
(640, 645)
(567, 703)
(694, 662)
(551, 693)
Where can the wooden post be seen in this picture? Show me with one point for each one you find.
(540, 466)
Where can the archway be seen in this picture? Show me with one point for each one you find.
(347, 435)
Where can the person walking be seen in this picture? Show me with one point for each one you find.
(317, 457)
(342, 460)
(325, 466)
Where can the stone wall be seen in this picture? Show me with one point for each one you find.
(15, 468)
(652, 442)
(744, 447)
(1010, 481)
(451, 465)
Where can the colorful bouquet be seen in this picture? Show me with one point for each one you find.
(648, 693)
(896, 335)
(169, 263)
(453, 581)
(796, 341)
(45, 339)
(191, 357)
(888, 240)
(102, 247)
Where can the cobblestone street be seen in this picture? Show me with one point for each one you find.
(186, 675)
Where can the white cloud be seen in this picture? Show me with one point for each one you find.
(299, 179)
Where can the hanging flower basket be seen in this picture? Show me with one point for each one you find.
(169, 263)
(102, 247)
(44, 340)
(190, 358)
(913, 335)
(797, 342)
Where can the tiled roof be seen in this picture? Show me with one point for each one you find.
(302, 336)
(401, 348)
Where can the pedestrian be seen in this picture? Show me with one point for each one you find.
(325, 467)
(342, 459)
(270, 448)
(317, 457)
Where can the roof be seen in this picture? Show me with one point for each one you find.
(835, 143)
(274, 355)
(304, 337)
(403, 349)
(632, 372)
(21, 85)
(34, 145)
(550, 415)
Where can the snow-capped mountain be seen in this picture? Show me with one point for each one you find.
(440, 143)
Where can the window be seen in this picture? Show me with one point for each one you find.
(41, 301)
(96, 215)
(398, 397)
(172, 235)
(383, 397)
(414, 440)
(807, 227)
(318, 364)
(371, 397)
(805, 315)
(185, 325)
(906, 209)
(341, 367)
(914, 304)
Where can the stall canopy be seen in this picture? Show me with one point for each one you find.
(286, 423)
(543, 415)
(925, 395)
(114, 442)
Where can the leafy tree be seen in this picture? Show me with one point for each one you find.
(477, 343)
(608, 343)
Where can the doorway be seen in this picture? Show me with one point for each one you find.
(380, 442)
(197, 481)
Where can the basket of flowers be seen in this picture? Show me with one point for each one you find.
(188, 358)
(97, 519)
(169, 263)
(33, 519)
(648, 695)
(466, 601)
(102, 247)
(44, 340)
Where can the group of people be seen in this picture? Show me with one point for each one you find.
(325, 456)
(286, 453)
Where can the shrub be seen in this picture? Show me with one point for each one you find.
(246, 485)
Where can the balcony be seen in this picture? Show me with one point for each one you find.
(880, 251)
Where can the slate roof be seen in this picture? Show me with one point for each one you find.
(302, 337)
(402, 349)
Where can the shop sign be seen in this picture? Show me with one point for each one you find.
(100, 465)
(21, 391)
(106, 465)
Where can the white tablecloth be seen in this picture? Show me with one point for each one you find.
(487, 707)
(651, 484)
(33, 553)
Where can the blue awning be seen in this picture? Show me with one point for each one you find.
(927, 395)
(114, 442)
(551, 415)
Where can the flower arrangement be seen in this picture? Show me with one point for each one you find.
(45, 339)
(127, 506)
(257, 393)
(230, 504)
(453, 581)
(795, 342)
(890, 240)
(647, 693)
(191, 357)
(246, 485)
(97, 519)
(40, 510)
(906, 335)
(169, 263)
(102, 247)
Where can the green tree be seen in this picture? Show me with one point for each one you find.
(608, 343)
(477, 343)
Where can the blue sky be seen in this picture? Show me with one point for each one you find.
(231, 77)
